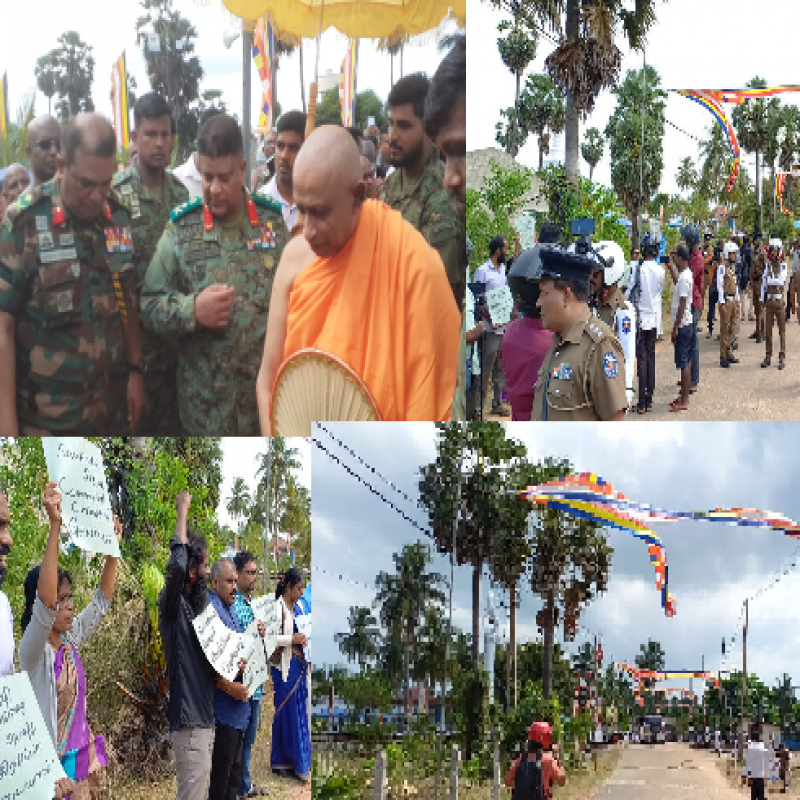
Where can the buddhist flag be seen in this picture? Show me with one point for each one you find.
(4, 107)
(347, 83)
(263, 53)
(119, 80)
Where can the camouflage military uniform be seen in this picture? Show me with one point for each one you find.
(427, 205)
(217, 370)
(148, 220)
(64, 282)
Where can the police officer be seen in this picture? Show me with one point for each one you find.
(728, 291)
(209, 286)
(150, 192)
(70, 346)
(773, 297)
(583, 374)
(758, 264)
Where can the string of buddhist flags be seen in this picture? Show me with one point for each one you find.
(588, 496)
(780, 188)
(713, 99)
(119, 83)
(347, 83)
(263, 55)
(4, 106)
(638, 675)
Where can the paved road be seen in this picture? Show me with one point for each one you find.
(666, 772)
(742, 392)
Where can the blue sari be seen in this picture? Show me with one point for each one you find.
(291, 737)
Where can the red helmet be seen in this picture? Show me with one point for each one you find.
(540, 732)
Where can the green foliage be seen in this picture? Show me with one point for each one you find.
(592, 148)
(686, 177)
(492, 208)
(518, 47)
(368, 104)
(361, 642)
(340, 784)
(12, 147)
(567, 201)
(637, 161)
(370, 689)
(68, 71)
(532, 707)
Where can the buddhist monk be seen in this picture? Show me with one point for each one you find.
(364, 286)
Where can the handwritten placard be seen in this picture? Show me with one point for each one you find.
(501, 304)
(29, 765)
(303, 622)
(257, 670)
(223, 647)
(77, 466)
(526, 228)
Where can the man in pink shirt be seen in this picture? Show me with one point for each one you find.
(526, 341)
(539, 749)
(691, 236)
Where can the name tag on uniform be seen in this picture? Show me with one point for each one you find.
(41, 223)
(66, 239)
(52, 256)
(119, 240)
(46, 241)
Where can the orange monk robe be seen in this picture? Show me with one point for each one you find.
(384, 306)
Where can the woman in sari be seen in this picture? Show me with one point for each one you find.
(48, 652)
(291, 736)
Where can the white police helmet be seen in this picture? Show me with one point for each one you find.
(613, 260)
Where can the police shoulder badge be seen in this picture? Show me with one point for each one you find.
(626, 324)
(610, 365)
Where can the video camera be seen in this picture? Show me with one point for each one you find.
(583, 228)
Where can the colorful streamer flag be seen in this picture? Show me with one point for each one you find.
(119, 81)
(4, 106)
(347, 83)
(263, 54)
(712, 101)
(780, 188)
(588, 496)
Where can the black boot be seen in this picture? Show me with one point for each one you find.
(766, 362)
(781, 363)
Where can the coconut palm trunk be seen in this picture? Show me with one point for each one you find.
(512, 643)
(302, 78)
(549, 631)
(571, 125)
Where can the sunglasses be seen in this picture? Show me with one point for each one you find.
(49, 144)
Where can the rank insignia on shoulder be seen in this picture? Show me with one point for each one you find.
(610, 365)
(185, 208)
(266, 201)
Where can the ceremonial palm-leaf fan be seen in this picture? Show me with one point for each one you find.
(313, 386)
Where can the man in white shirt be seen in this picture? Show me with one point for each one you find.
(755, 766)
(773, 297)
(493, 275)
(682, 324)
(794, 287)
(728, 290)
(291, 130)
(651, 280)
(6, 618)
(187, 173)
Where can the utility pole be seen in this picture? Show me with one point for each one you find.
(267, 515)
(744, 669)
(247, 54)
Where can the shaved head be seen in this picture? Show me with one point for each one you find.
(329, 189)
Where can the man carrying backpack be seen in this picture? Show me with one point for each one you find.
(533, 774)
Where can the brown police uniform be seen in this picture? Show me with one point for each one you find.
(758, 265)
(728, 308)
(774, 300)
(582, 377)
(609, 304)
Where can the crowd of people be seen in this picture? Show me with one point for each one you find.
(581, 344)
(213, 722)
(166, 302)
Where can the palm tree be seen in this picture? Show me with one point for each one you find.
(783, 696)
(686, 177)
(592, 148)
(716, 163)
(541, 111)
(405, 595)
(12, 147)
(587, 59)
(517, 50)
(651, 657)
(392, 47)
(274, 473)
(238, 505)
(362, 641)
(755, 127)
